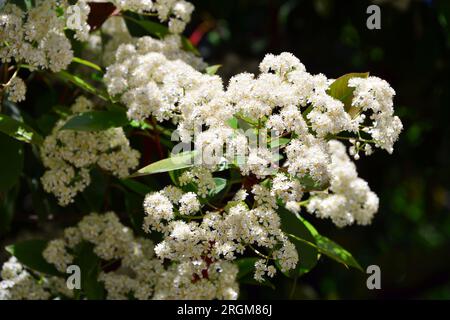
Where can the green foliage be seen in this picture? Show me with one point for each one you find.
(139, 26)
(96, 121)
(29, 253)
(90, 266)
(340, 90)
(181, 160)
(303, 239)
(246, 271)
(19, 130)
(7, 209)
(11, 162)
(212, 70)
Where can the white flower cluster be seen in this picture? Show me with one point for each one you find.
(35, 37)
(349, 198)
(138, 273)
(177, 12)
(150, 83)
(16, 89)
(284, 98)
(19, 284)
(70, 154)
(77, 16)
(221, 234)
(375, 95)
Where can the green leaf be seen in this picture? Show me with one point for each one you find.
(138, 27)
(221, 183)
(11, 162)
(212, 70)
(179, 161)
(136, 186)
(19, 130)
(76, 80)
(279, 142)
(246, 271)
(96, 121)
(7, 208)
(96, 192)
(233, 123)
(300, 235)
(340, 90)
(188, 46)
(336, 252)
(248, 279)
(89, 265)
(29, 253)
(330, 248)
(309, 184)
(133, 206)
(246, 266)
(87, 64)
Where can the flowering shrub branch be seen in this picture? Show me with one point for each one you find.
(247, 161)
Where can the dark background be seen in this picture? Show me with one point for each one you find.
(410, 236)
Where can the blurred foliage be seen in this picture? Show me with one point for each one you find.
(410, 236)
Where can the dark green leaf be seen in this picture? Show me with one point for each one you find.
(96, 121)
(336, 252)
(19, 130)
(246, 271)
(136, 186)
(301, 237)
(246, 266)
(138, 26)
(89, 265)
(309, 184)
(7, 208)
(11, 162)
(95, 193)
(29, 253)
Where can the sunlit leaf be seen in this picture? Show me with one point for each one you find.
(212, 70)
(340, 90)
(179, 161)
(19, 130)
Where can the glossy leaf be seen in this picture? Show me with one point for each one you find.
(303, 240)
(336, 252)
(96, 121)
(87, 64)
(179, 161)
(19, 130)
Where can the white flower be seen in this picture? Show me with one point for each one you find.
(350, 199)
(16, 90)
(189, 204)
